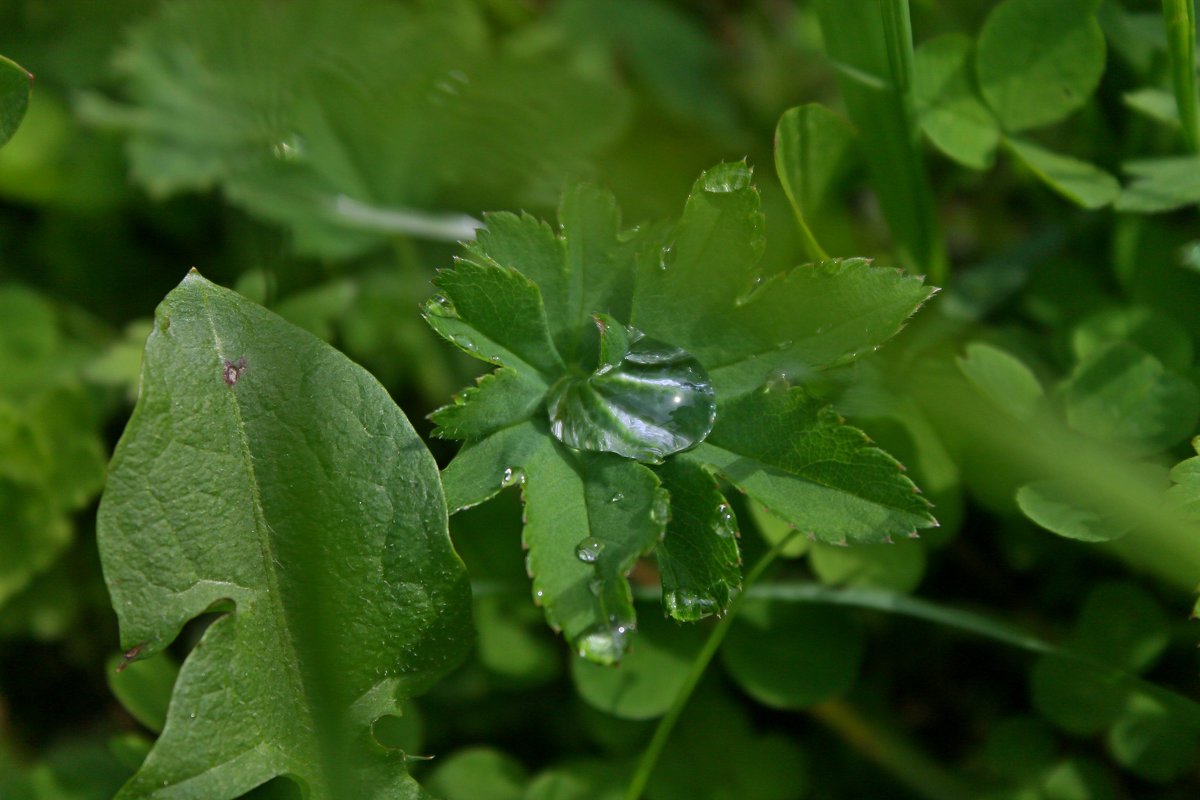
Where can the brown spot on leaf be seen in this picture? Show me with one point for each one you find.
(233, 370)
(128, 656)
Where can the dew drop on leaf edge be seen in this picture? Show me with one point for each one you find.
(588, 551)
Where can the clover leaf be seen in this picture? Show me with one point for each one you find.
(636, 367)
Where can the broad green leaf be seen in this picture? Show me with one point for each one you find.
(774, 530)
(798, 458)
(257, 100)
(650, 676)
(73, 771)
(1062, 508)
(793, 656)
(1079, 699)
(898, 567)
(1157, 104)
(144, 687)
(15, 86)
(1003, 379)
(948, 104)
(1124, 395)
(1082, 183)
(645, 399)
(582, 780)
(698, 559)
(1161, 184)
(813, 149)
(1156, 333)
(1037, 62)
(1185, 494)
(479, 773)
(266, 476)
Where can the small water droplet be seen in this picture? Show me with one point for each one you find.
(785, 344)
(727, 178)
(726, 523)
(616, 498)
(290, 148)
(778, 382)
(595, 585)
(588, 551)
(440, 306)
(666, 257)
(605, 643)
(688, 606)
(512, 477)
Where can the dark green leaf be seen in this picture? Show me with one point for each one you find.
(793, 656)
(698, 558)
(500, 399)
(644, 401)
(1037, 62)
(948, 104)
(798, 458)
(265, 475)
(15, 86)
(479, 774)
(1153, 743)
(1156, 333)
(144, 687)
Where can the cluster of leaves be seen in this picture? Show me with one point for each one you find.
(669, 398)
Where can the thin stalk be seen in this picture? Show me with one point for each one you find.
(700, 664)
(906, 763)
(1179, 17)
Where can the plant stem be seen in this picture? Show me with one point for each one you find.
(1179, 17)
(909, 765)
(663, 732)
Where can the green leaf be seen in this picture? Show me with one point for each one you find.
(479, 773)
(793, 656)
(499, 399)
(1185, 494)
(1037, 62)
(952, 114)
(144, 687)
(1153, 743)
(813, 148)
(798, 458)
(588, 519)
(15, 87)
(265, 476)
(649, 678)
(1161, 184)
(898, 567)
(645, 399)
(698, 559)
(1062, 508)
(1124, 395)
(1082, 183)
(1156, 333)
(1003, 379)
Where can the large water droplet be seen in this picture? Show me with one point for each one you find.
(588, 551)
(605, 643)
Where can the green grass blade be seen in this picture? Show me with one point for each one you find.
(870, 45)
(1179, 17)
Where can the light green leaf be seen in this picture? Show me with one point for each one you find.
(264, 475)
(645, 399)
(1037, 61)
(793, 656)
(1185, 494)
(698, 558)
(1082, 183)
(15, 87)
(798, 458)
(650, 676)
(813, 149)
(1124, 395)
(1157, 104)
(948, 104)
(1161, 184)
(482, 468)
(1003, 379)
(774, 530)
(1153, 743)
(144, 687)
(588, 519)
(1064, 509)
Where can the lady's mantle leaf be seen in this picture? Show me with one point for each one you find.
(644, 401)
(798, 458)
(265, 475)
(14, 97)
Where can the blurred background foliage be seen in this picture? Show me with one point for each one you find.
(324, 157)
